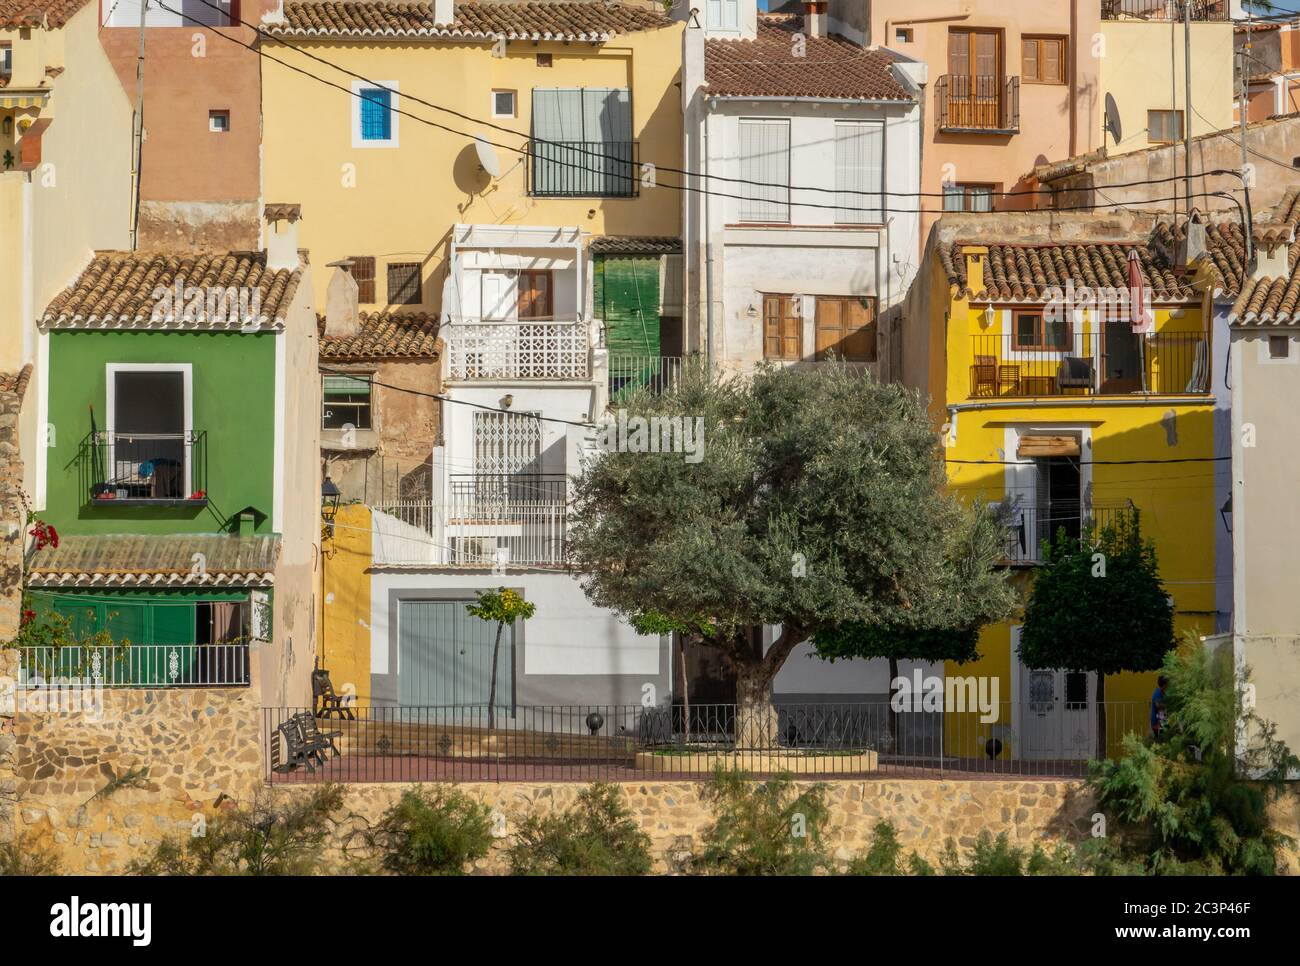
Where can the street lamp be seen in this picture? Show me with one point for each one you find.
(329, 504)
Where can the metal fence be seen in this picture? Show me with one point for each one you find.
(143, 468)
(1089, 364)
(584, 169)
(1031, 524)
(1164, 10)
(1054, 737)
(977, 102)
(136, 666)
(469, 531)
(630, 371)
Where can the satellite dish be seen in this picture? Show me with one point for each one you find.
(1112, 119)
(487, 157)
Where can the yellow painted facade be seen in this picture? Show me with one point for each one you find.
(1175, 501)
(399, 203)
(343, 644)
(1142, 67)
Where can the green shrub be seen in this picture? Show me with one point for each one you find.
(885, 855)
(267, 838)
(26, 856)
(989, 856)
(596, 836)
(763, 828)
(433, 832)
(1180, 805)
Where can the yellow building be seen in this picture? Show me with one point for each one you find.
(1142, 66)
(1054, 408)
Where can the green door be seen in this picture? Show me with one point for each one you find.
(445, 657)
(626, 297)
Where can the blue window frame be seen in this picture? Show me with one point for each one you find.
(376, 114)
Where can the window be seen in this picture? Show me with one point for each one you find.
(859, 167)
(218, 121)
(582, 143)
(765, 158)
(404, 283)
(149, 442)
(535, 295)
(846, 328)
(968, 197)
(346, 402)
(1164, 127)
(782, 327)
(507, 444)
(6, 60)
(1032, 331)
(374, 114)
(503, 103)
(544, 60)
(1042, 60)
(363, 271)
(723, 15)
(903, 35)
(1279, 346)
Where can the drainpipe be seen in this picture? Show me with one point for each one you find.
(1074, 77)
(708, 257)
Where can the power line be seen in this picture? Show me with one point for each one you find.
(624, 161)
(1184, 459)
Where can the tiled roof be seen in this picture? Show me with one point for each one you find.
(636, 245)
(830, 67)
(16, 382)
(36, 13)
(1278, 227)
(1270, 301)
(560, 20)
(387, 335)
(281, 212)
(129, 560)
(130, 290)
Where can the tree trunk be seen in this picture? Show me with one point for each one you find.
(893, 714)
(1101, 716)
(492, 687)
(686, 696)
(756, 728)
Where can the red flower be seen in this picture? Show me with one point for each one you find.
(44, 534)
(28, 617)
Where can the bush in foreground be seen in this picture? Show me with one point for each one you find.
(595, 836)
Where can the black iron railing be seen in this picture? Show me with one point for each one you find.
(1031, 524)
(1111, 363)
(144, 468)
(979, 732)
(1165, 10)
(584, 169)
(497, 488)
(977, 103)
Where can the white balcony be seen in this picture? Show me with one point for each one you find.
(508, 351)
(471, 530)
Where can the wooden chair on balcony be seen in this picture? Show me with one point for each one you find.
(984, 376)
(291, 748)
(1008, 379)
(320, 741)
(325, 700)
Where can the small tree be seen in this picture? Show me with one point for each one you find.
(764, 828)
(597, 835)
(1098, 605)
(504, 606)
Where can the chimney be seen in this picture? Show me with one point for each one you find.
(282, 236)
(814, 18)
(342, 319)
(444, 12)
(1192, 245)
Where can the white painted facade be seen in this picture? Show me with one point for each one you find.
(829, 243)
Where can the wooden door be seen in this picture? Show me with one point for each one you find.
(975, 78)
(782, 328)
(535, 295)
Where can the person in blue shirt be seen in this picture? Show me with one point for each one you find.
(1158, 706)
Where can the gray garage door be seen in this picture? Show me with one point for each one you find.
(445, 657)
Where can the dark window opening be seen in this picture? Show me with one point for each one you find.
(404, 283)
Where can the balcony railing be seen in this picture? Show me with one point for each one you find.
(135, 666)
(480, 525)
(584, 169)
(1165, 10)
(144, 468)
(519, 350)
(630, 371)
(987, 104)
(1112, 363)
(1031, 524)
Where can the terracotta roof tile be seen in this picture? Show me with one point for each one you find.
(15, 383)
(560, 20)
(281, 212)
(1270, 301)
(123, 290)
(386, 335)
(767, 66)
(636, 245)
(36, 13)
(130, 560)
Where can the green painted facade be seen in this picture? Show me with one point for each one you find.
(233, 403)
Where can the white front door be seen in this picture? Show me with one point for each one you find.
(1056, 714)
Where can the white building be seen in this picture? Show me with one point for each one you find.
(798, 138)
